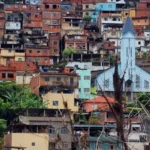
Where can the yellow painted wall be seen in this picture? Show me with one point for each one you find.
(130, 12)
(5, 52)
(20, 79)
(90, 6)
(69, 98)
(3, 60)
(41, 140)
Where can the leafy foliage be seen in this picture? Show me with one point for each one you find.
(94, 120)
(68, 51)
(3, 127)
(87, 18)
(144, 56)
(144, 98)
(14, 99)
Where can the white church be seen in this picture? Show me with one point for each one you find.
(136, 79)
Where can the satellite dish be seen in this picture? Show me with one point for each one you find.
(24, 120)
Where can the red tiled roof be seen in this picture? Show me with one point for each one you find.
(100, 99)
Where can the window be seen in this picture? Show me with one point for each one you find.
(55, 103)
(54, 14)
(38, 51)
(7, 59)
(111, 147)
(10, 75)
(79, 89)
(114, 19)
(94, 13)
(143, 138)
(106, 83)
(71, 81)
(86, 90)
(127, 52)
(139, 43)
(7, 6)
(9, 51)
(64, 145)
(109, 6)
(52, 145)
(137, 81)
(64, 131)
(87, 6)
(19, 59)
(46, 6)
(86, 77)
(146, 84)
(3, 75)
(54, 6)
(30, 51)
(46, 79)
(29, 22)
(58, 79)
(52, 130)
(45, 60)
(131, 51)
(55, 42)
(55, 50)
(37, 59)
(33, 144)
(87, 13)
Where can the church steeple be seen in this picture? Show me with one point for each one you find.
(128, 38)
(128, 27)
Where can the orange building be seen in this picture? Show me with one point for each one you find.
(51, 15)
(7, 73)
(99, 104)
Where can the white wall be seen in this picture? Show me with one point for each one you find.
(139, 42)
(88, 65)
(13, 25)
(147, 35)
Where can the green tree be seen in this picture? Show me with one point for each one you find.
(68, 51)
(87, 18)
(144, 56)
(3, 127)
(17, 98)
(94, 120)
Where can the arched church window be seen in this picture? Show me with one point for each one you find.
(127, 52)
(137, 81)
(146, 84)
(131, 51)
(106, 83)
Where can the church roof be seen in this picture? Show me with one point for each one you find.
(128, 27)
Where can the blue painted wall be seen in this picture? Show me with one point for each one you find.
(84, 83)
(102, 7)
